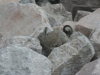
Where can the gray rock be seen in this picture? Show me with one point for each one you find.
(7, 1)
(16, 60)
(67, 4)
(80, 14)
(91, 3)
(24, 41)
(50, 40)
(92, 68)
(42, 2)
(88, 23)
(21, 19)
(69, 58)
(26, 1)
(57, 14)
(95, 40)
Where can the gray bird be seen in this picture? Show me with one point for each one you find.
(51, 40)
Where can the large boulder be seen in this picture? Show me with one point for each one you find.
(67, 4)
(19, 19)
(7, 1)
(91, 3)
(92, 68)
(95, 40)
(80, 14)
(26, 1)
(42, 2)
(69, 58)
(24, 41)
(16, 60)
(70, 23)
(88, 23)
(57, 14)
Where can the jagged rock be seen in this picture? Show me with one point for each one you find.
(91, 3)
(88, 23)
(54, 1)
(51, 40)
(95, 40)
(57, 14)
(67, 4)
(22, 19)
(7, 1)
(42, 2)
(92, 68)
(25, 41)
(80, 14)
(16, 60)
(26, 1)
(69, 58)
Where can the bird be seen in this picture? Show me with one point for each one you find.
(50, 40)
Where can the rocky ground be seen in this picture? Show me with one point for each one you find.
(21, 51)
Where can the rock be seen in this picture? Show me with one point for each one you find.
(42, 2)
(57, 14)
(67, 4)
(91, 3)
(22, 19)
(70, 4)
(95, 40)
(54, 1)
(87, 24)
(25, 41)
(69, 58)
(80, 14)
(51, 40)
(26, 1)
(7, 1)
(92, 68)
(16, 60)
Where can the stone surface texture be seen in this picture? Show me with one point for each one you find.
(24, 41)
(92, 68)
(16, 60)
(69, 58)
(7, 1)
(87, 24)
(95, 40)
(26, 1)
(57, 14)
(80, 14)
(22, 20)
